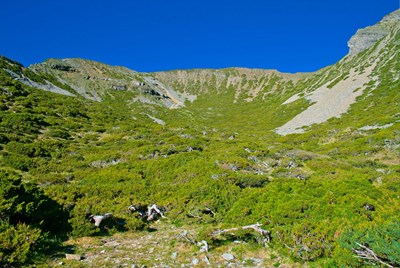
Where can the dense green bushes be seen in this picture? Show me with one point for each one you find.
(382, 238)
(306, 219)
(25, 203)
(27, 216)
(17, 242)
(318, 193)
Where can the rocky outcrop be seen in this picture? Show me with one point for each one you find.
(47, 86)
(168, 95)
(338, 90)
(119, 87)
(62, 67)
(247, 84)
(95, 80)
(365, 38)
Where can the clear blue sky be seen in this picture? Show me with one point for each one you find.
(154, 35)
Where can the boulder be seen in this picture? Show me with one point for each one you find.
(228, 256)
(74, 257)
(119, 87)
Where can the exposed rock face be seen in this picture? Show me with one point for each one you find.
(365, 38)
(47, 86)
(336, 93)
(92, 80)
(247, 83)
(64, 68)
(168, 95)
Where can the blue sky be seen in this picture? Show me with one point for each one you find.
(155, 35)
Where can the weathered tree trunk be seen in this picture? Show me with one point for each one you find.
(99, 218)
(256, 227)
(153, 212)
(368, 254)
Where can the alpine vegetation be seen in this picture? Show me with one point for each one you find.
(103, 166)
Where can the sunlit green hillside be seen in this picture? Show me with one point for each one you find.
(214, 149)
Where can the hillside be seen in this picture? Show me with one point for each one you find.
(312, 157)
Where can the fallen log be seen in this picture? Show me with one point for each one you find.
(256, 227)
(97, 219)
(199, 213)
(368, 254)
(152, 212)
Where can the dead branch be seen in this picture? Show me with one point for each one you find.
(368, 254)
(208, 210)
(153, 212)
(256, 227)
(191, 215)
(185, 235)
(198, 213)
(138, 209)
(202, 244)
(99, 218)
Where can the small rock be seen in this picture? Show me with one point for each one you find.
(206, 260)
(228, 256)
(254, 260)
(195, 261)
(258, 261)
(203, 246)
(75, 257)
(174, 255)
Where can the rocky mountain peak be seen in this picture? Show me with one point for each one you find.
(392, 17)
(365, 38)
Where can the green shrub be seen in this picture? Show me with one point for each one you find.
(17, 242)
(382, 239)
(25, 203)
(27, 216)
(16, 161)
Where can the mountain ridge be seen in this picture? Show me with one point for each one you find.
(172, 89)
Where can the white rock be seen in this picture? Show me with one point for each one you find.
(228, 256)
(206, 260)
(195, 261)
(75, 257)
(174, 255)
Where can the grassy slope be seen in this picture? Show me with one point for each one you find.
(309, 190)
